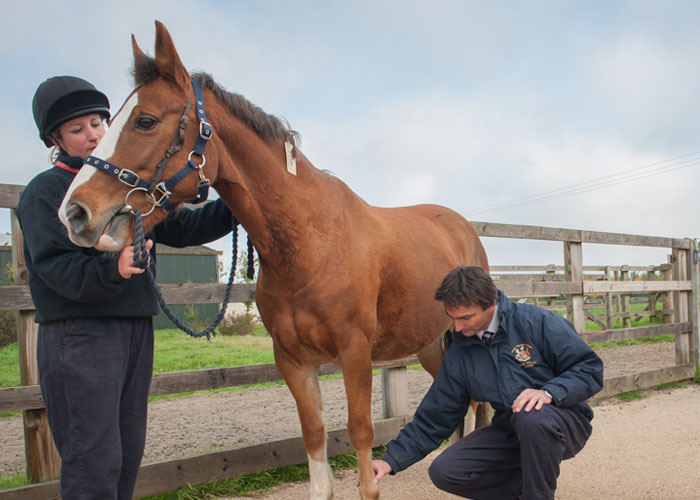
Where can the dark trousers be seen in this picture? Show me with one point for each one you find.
(494, 463)
(95, 374)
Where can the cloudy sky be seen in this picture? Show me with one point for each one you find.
(581, 115)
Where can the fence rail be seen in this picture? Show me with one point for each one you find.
(680, 281)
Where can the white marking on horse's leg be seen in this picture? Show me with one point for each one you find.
(321, 484)
(104, 150)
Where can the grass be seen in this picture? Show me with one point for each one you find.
(670, 385)
(14, 481)
(9, 366)
(630, 396)
(175, 351)
(259, 480)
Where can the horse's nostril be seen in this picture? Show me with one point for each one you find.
(77, 217)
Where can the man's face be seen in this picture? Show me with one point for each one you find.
(470, 319)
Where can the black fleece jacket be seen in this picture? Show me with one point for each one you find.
(68, 281)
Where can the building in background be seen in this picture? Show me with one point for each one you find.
(198, 264)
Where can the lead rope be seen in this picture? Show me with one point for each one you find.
(141, 256)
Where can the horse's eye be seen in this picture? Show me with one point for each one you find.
(145, 123)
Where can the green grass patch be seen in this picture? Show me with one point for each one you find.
(9, 366)
(176, 351)
(14, 481)
(630, 396)
(697, 375)
(670, 385)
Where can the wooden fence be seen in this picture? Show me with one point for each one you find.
(680, 281)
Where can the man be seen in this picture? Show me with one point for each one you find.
(536, 372)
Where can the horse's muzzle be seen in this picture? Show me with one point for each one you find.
(77, 219)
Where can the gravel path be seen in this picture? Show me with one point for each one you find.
(187, 426)
(647, 449)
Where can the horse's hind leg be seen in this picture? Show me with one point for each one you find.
(303, 383)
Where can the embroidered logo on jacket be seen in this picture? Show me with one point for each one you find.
(522, 355)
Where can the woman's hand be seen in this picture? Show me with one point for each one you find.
(126, 261)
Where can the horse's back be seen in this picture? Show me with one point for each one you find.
(434, 228)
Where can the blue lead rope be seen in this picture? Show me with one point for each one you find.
(141, 257)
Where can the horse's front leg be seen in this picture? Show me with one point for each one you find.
(356, 364)
(303, 383)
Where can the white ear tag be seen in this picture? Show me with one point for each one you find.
(291, 160)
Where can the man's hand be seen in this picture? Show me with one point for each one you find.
(381, 469)
(529, 399)
(125, 263)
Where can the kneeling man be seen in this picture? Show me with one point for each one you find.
(536, 372)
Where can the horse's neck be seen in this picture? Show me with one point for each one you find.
(288, 217)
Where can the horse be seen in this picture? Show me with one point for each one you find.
(339, 280)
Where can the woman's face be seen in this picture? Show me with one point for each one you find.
(81, 135)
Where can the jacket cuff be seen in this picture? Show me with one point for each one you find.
(113, 274)
(556, 392)
(392, 463)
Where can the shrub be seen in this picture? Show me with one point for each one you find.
(193, 321)
(238, 324)
(8, 328)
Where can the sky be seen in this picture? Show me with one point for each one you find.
(579, 115)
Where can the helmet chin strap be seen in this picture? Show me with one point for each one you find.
(55, 142)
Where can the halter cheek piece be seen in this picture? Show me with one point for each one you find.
(156, 191)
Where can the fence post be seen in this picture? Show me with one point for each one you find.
(627, 318)
(551, 269)
(394, 392)
(680, 273)
(573, 268)
(43, 462)
(667, 298)
(609, 300)
(693, 297)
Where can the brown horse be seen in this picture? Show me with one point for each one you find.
(339, 280)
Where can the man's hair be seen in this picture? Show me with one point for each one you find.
(467, 286)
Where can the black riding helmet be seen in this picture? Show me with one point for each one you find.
(62, 98)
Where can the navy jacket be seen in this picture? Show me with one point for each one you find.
(534, 349)
(68, 281)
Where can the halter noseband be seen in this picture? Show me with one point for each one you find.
(159, 192)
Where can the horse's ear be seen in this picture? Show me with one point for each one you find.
(167, 59)
(139, 57)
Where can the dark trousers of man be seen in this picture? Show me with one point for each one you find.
(494, 463)
(95, 375)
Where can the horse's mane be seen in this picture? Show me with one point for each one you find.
(267, 127)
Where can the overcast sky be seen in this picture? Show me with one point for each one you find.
(462, 103)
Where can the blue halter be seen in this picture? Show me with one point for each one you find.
(159, 192)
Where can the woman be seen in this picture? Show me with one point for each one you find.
(95, 345)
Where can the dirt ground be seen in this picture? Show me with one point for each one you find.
(645, 449)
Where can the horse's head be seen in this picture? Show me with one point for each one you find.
(144, 148)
